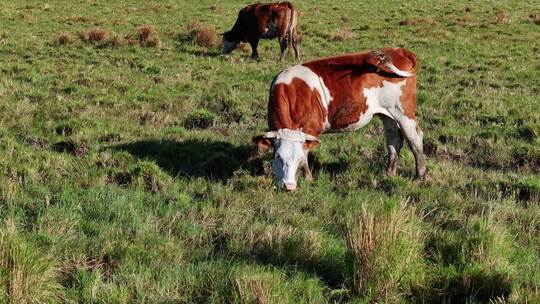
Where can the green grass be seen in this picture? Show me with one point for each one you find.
(127, 174)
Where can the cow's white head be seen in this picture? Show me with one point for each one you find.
(229, 44)
(291, 148)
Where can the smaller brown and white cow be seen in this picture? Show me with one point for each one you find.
(264, 21)
(342, 93)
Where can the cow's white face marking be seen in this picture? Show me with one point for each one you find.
(314, 82)
(228, 46)
(379, 100)
(289, 154)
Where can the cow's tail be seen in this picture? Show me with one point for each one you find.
(398, 61)
(293, 20)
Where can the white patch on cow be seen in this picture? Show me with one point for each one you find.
(289, 155)
(314, 81)
(379, 100)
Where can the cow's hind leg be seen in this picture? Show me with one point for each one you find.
(414, 134)
(283, 43)
(394, 142)
(294, 42)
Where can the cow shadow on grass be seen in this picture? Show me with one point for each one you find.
(214, 160)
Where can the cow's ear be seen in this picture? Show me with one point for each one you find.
(262, 142)
(310, 144)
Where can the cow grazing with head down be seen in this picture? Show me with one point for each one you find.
(342, 93)
(264, 21)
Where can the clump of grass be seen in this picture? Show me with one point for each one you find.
(101, 38)
(418, 21)
(343, 35)
(387, 253)
(95, 36)
(201, 34)
(535, 18)
(207, 37)
(25, 275)
(148, 37)
(251, 290)
(200, 119)
(490, 154)
(63, 38)
(76, 19)
(502, 16)
(193, 26)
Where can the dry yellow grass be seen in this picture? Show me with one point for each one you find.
(207, 37)
(63, 38)
(380, 242)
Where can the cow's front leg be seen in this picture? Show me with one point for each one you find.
(254, 54)
(307, 171)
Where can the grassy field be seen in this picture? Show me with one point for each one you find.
(127, 174)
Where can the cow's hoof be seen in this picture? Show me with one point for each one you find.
(424, 177)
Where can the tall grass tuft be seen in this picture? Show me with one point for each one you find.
(148, 37)
(387, 253)
(202, 35)
(25, 275)
(207, 37)
(63, 38)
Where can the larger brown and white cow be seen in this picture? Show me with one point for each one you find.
(264, 21)
(342, 93)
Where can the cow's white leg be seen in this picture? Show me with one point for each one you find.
(307, 172)
(394, 142)
(413, 133)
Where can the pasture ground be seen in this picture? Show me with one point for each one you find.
(127, 174)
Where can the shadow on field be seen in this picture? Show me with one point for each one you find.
(202, 53)
(215, 160)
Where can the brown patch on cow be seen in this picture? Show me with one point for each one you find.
(262, 143)
(348, 113)
(296, 106)
(408, 98)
